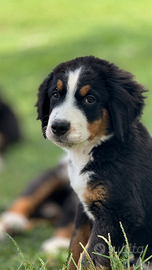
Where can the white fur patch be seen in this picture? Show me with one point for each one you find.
(79, 157)
(52, 245)
(68, 111)
(13, 222)
(73, 77)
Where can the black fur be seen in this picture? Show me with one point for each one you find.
(123, 164)
(9, 126)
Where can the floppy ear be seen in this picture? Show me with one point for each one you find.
(43, 102)
(126, 100)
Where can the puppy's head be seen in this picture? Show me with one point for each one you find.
(87, 99)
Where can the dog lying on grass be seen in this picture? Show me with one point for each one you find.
(92, 109)
(50, 197)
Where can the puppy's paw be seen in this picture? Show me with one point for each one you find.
(11, 223)
(53, 244)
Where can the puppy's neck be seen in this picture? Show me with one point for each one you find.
(80, 155)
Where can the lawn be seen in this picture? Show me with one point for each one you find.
(37, 35)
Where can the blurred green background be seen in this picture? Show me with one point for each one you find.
(35, 36)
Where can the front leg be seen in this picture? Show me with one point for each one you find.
(81, 234)
(103, 224)
(98, 245)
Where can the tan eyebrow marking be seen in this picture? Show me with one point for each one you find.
(59, 85)
(84, 90)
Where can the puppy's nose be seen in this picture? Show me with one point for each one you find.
(59, 128)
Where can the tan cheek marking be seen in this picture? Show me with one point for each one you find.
(84, 90)
(59, 85)
(99, 128)
(93, 194)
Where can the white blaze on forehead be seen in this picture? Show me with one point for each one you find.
(68, 110)
(73, 77)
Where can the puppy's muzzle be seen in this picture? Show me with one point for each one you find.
(59, 127)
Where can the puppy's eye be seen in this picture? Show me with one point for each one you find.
(89, 100)
(55, 95)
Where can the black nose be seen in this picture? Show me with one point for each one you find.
(60, 127)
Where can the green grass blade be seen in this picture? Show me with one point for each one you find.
(127, 246)
(43, 264)
(74, 263)
(144, 253)
(88, 257)
(18, 248)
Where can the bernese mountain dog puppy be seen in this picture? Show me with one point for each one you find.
(92, 109)
(50, 197)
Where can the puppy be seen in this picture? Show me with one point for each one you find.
(92, 109)
(48, 196)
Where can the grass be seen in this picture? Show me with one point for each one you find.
(11, 257)
(118, 260)
(36, 36)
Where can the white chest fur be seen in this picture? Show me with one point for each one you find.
(79, 157)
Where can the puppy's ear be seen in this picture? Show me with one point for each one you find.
(43, 102)
(126, 100)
